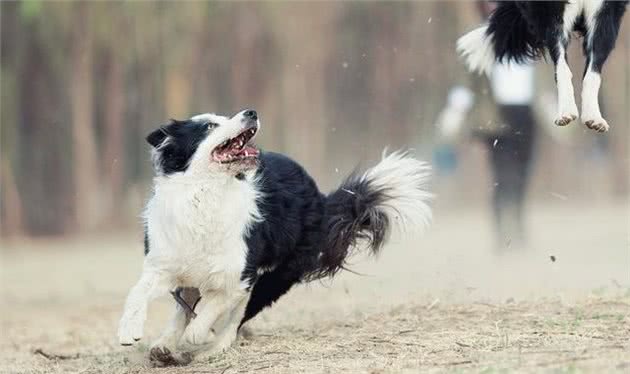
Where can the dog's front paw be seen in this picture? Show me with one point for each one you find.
(129, 331)
(163, 356)
(598, 124)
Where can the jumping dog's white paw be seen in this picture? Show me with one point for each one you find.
(598, 124)
(564, 119)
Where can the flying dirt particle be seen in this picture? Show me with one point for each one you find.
(336, 170)
(345, 65)
(430, 19)
(552, 258)
(495, 143)
(434, 303)
(559, 196)
(411, 80)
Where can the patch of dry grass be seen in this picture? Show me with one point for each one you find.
(515, 311)
(590, 335)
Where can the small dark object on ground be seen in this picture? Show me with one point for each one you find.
(52, 356)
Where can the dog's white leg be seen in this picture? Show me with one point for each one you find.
(228, 333)
(198, 334)
(163, 351)
(591, 114)
(174, 330)
(602, 20)
(152, 283)
(567, 108)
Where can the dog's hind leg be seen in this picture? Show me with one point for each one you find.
(602, 29)
(227, 333)
(163, 352)
(567, 108)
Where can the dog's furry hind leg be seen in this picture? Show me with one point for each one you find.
(567, 108)
(598, 43)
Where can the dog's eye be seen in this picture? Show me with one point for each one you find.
(212, 125)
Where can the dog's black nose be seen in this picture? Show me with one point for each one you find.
(251, 114)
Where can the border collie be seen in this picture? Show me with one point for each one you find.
(519, 31)
(232, 228)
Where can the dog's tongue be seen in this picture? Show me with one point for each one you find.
(249, 150)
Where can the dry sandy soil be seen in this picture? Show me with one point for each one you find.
(445, 301)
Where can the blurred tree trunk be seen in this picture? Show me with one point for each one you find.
(10, 199)
(247, 77)
(177, 93)
(36, 135)
(11, 202)
(113, 163)
(306, 57)
(86, 172)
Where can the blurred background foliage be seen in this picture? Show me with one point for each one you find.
(334, 82)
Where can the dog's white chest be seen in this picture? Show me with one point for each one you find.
(196, 231)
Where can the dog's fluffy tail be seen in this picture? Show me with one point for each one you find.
(507, 37)
(366, 207)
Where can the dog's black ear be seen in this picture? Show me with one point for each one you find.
(157, 137)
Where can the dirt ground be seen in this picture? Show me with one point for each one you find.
(445, 301)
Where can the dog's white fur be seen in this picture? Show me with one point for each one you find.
(402, 176)
(196, 220)
(477, 49)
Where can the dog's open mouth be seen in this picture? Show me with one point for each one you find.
(237, 149)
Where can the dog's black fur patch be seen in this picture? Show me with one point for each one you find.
(305, 235)
(176, 143)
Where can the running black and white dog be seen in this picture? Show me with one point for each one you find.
(523, 30)
(232, 228)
